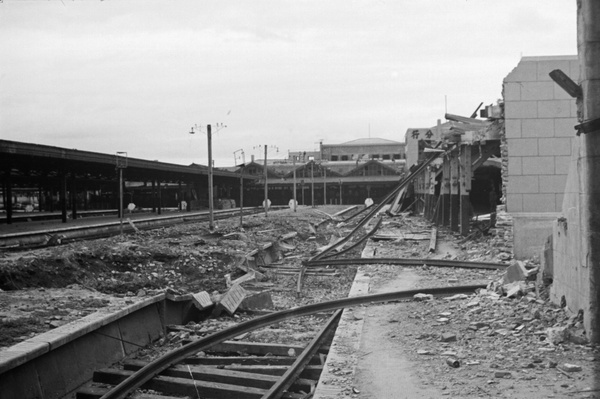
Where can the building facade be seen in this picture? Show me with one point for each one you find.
(539, 132)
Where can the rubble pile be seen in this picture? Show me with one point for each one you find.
(183, 260)
(488, 337)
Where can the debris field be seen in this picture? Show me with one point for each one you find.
(507, 340)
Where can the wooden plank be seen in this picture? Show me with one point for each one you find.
(259, 348)
(433, 240)
(96, 392)
(223, 376)
(246, 360)
(182, 386)
(312, 372)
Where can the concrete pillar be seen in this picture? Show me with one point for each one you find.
(465, 189)
(153, 196)
(159, 197)
(454, 191)
(8, 203)
(445, 192)
(588, 46)
(73, 197)
(63, 197)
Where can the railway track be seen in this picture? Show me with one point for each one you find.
(212, 367)
(231, 369)
(267, 373)
(61, 235)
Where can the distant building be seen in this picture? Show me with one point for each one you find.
(346, 173)
(363, 149)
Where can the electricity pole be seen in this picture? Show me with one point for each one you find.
(121, 164)
(312, 183)
(324, 185)
(241, 185)
(211, 216)
(294, 162)
(266, 187)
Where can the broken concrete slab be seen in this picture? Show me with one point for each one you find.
(230, 301)
(512, 290)
(448, 337)
(201, 300)
(423, 297)
(515, 272)
(570, 368)
(261, 300)
(456, 297)
(556, 335)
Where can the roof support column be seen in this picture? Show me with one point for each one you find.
(153, 195)
(8, 204)
(159, 197)
(63, 196)
(454, 191)
(445, 193)
(73, 197)
(465, 189)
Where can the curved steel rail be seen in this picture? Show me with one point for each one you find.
(293, 372)
(359, 242)
(376, 208)
(407, 262)
(146, 373)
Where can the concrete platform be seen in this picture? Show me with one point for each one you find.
(59, 361)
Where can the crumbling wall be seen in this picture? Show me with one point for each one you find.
(539, 119)
(571, 273)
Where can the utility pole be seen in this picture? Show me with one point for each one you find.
(294, 162)
(211, 216)
(241, 185)
(324, 184)
(121, 164)
(266, 188)
(312, 183)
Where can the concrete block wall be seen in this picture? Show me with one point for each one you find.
(539, 120)
(539, 134)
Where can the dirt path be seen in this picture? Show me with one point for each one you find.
(384, 372)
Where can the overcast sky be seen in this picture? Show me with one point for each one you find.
(135, 75)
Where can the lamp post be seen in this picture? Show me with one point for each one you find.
(312, 183)
(324, 184)
(266, 175)
(294, 163)
(211, 217)
(241, 184)
(266, 187)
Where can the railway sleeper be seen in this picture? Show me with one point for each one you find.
(231, 374)
(251, 375)
(258, 348)
(176, 386)
(248, 360)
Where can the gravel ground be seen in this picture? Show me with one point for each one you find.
(504, 347)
